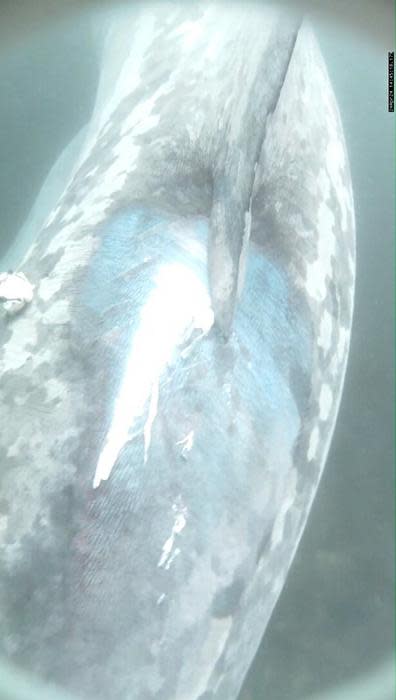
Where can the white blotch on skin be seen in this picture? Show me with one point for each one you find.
(325, 401)
(313, 443)
(48, 287)
(52, 216)
(15, 448)
(58, 312)
(152, 412)
(334, 365)
(288, 499)
(323, 184)
(55, 389)
(342, 346)
(140, 119)
(335, 162)
(71, 212)
(92, 172)
(15, 291)
(320, 270)
(277, 585)
(325, 331)
(15, 353)
(190, 32)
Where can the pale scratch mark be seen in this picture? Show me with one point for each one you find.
(152, 412)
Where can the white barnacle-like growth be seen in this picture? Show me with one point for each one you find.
(178, 303)
(15, 291)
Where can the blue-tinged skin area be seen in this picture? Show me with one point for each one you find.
(235, 396)
(268, 339)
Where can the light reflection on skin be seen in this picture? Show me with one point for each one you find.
(178, 304)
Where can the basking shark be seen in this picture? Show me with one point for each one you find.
(170, 387)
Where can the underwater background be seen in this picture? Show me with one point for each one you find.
(335, 617)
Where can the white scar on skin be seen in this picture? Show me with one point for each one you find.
(168, 553)
(187, 443)
(178, 304)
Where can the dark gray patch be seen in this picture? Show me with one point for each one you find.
(4, 506)
(332, 296)
(226, 601)
(5, 332)
(301, 386)
(34, 593)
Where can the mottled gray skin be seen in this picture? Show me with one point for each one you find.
(159, 582)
